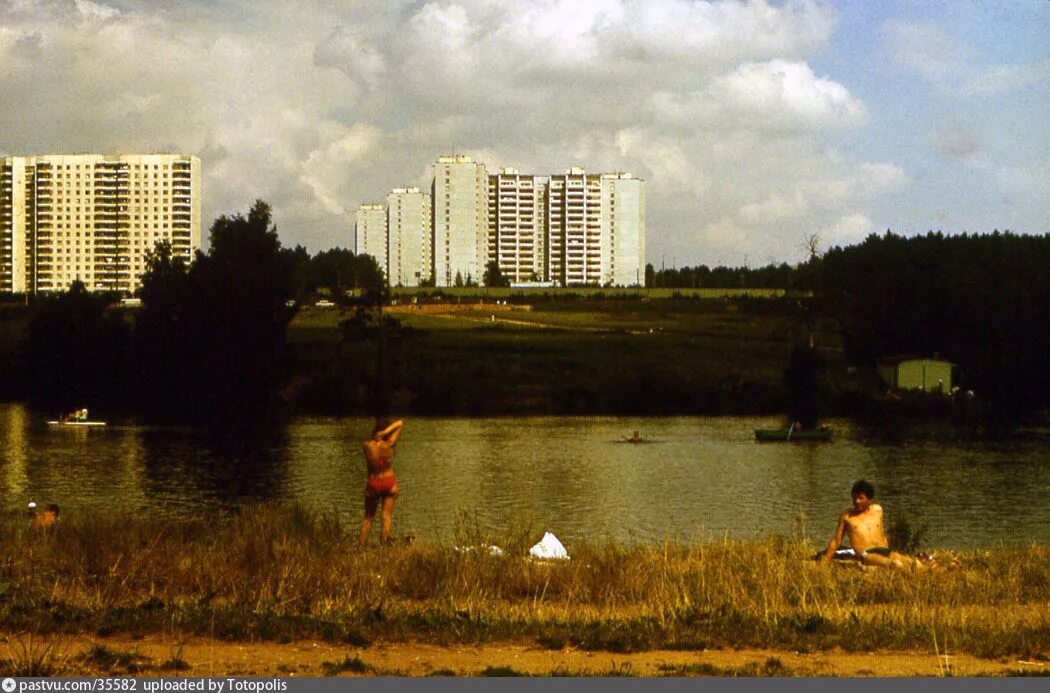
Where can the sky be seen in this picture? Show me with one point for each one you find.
(755, 124)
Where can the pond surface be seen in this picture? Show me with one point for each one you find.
(696, 477)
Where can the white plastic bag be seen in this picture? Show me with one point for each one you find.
(549, 547)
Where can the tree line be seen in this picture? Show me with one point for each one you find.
(772, 276)
(980, 301)
(209, 342)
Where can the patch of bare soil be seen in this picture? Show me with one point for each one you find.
(191, 656)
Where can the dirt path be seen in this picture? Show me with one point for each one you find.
(167, 656)
(494, 319)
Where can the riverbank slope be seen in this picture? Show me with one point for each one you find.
(169, 655)
(284, 574)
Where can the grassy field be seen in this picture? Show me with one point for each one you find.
(587, 292)
(563, 356)
(283, 573)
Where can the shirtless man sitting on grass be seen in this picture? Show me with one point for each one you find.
(862, 523)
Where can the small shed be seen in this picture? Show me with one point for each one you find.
(910, 373)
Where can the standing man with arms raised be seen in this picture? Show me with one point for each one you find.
(381, 486)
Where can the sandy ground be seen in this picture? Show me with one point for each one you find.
(168, 656)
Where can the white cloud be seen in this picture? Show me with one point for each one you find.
(714, 103)
(95, 12)
(848, 230)
(328, 171)
(785, 94)
(775, 95)
(353, 55)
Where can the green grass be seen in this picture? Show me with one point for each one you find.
(285, 573)
(668, 357)
(586, 292)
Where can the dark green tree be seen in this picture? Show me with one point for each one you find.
(979, 301)
(164, 334)
(493, 276)
(243, 283)
(76, 352)
(211, 338)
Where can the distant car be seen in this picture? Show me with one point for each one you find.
(324, 303)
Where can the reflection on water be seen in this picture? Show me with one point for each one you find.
(699, 477)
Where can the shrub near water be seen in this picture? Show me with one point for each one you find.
(281, 573)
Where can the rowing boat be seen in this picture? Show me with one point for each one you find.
(772, 435)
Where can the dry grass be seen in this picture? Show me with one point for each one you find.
(283, 573)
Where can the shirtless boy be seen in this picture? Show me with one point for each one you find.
(862, 523)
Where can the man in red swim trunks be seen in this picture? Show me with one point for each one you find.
(382, 484)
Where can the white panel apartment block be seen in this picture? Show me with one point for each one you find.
(577, 255)
(518, 225)
(94, 218)
(623, 221)
(460, 202)
(408, 240)
(370, 233)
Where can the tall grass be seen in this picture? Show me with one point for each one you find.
(285, 572)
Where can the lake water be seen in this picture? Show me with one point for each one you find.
(699, 477)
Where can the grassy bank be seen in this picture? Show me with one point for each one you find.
(283, 573)
(618, 357)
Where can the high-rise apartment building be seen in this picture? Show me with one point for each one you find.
(408, 237)
(518, 225)
(370, 233)
(460, 220)
(571, 229)
(595, 229)
(94, 218)
(623, 229)
(574, 208)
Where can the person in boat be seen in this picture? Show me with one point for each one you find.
(381, 489)
(862, 524)
(636, 438)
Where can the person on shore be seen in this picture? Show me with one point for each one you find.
(381, 487)
(862, 524)
(46, 520)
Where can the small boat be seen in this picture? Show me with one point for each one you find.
(77, 423)
(771, 435)
(636, 438)
(77, 418)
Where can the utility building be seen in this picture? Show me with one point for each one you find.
(905, 373)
